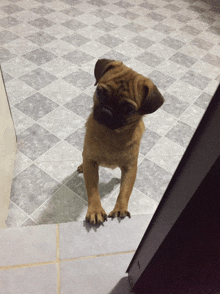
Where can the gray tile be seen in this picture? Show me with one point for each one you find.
(163, 28)
(107, 184)
(103, 239)
(28, 222)
(181, 18)
(124, 4)
(206, 19)
(101, 13)
(36, 106)
(181, 133)
(39, 56)
(195, 79)
(218, 78)
(156, 16)
(173, 43)
(149, 59)
(80, 79)
(196, 8)
(173, 7)
(183, 59)
(105, 26)
(152, 179)
(34, 141)
(42, 10)
(82, 105)
(149, 139)
(203, 100)
(96, 275)
(173, 105)
(31, 188)
(115, 55)
(212, 59)
(78, 57)
(76, 139)
(76, 39)
(11, 8)
(37, 279)
(200, 43)
(9, 22)
(6, 77)
(109, 41)
(40, 38)
(149, 6)
(6, 37)
(129, 15)
(134, 27)
(16, 216)
(160, 79)
(27, 245)
(41, 23)
(38, 78)
(74, 24)
(190, 30)
(72, 12)
(98, 3)
(5, 55)
(62, 207)
(142, 42)
(70, 2)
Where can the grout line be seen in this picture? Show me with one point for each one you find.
(57, 262)
(58, 258)
(99, 255)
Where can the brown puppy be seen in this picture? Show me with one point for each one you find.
(114, 130)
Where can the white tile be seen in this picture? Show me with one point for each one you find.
(95, 48)
(82, 239)
(172, 69)
(159, 121)
(60, 91)
(166, 154)
(61, 122)
(27, 245)
(192, 115)
(129, 49)
(29, 280)
(184, 91)
(96, 275)
(61, 161)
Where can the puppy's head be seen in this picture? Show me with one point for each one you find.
(122, 95)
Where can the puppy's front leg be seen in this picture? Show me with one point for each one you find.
(127, 183)
(95, 213)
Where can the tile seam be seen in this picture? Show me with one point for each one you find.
(60, 261)
(58, 257)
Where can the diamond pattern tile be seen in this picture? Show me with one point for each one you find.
(35, 141)
(36, 106)
(38, 78)
(48, 52)
(39, 56)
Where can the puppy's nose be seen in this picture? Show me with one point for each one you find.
(107, 110)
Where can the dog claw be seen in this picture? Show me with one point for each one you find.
(118, 213)
(96, 217)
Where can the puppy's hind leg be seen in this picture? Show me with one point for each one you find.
(80, 168)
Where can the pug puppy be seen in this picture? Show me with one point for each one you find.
(114, 130)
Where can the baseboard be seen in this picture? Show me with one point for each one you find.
(8, 148)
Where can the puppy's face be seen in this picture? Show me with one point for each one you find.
(122, 96)
(111, 108)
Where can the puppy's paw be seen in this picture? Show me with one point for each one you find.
(122, 213)
(96, 216)
(80, 169)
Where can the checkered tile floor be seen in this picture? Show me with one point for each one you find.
(47, 54)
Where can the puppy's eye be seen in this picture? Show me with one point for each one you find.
(101, 93)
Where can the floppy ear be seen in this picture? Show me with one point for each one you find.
(101, 67)
(152, 100)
